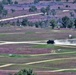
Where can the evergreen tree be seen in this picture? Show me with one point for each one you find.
(53, 23)
(75, 23)
(25, 22)
(65, 21)
(1, 7)
(36, 1)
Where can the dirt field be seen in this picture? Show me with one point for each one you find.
(45, 73)
(40, 58)
(31, 34)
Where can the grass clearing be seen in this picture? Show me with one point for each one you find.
(72, 70)
(46, 55)
(44, 46)
(29, 66)
(57, 49)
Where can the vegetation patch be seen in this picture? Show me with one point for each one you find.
(74, 70)
(44, 46)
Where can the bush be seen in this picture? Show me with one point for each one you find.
(32, 9)
(25, 72)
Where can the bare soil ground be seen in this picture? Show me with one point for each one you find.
(47, 73)
(22, 49)
(61, 73)
(26, 34)
(34, 34)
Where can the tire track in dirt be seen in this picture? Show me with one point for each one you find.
(37, 62)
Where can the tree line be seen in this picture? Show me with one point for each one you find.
(64, 22)
(3, 11)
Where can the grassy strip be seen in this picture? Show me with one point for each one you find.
(14, 55)
(54, 46)
(39, 67)
(16, 67)
(69, 70)
(2, 64)
(65, 50)
(44, 46)
(37, 55)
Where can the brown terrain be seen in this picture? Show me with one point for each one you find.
(16, 34)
